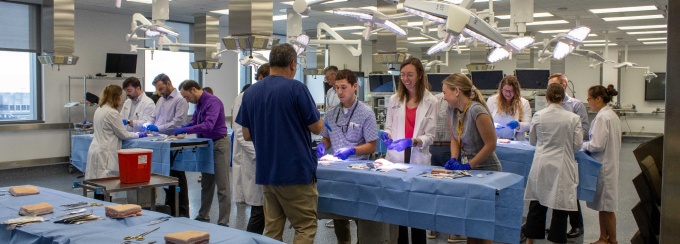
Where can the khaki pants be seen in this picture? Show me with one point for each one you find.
(298, 203)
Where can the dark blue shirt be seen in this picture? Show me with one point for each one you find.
(277, 111)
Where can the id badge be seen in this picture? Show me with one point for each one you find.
(464, 160)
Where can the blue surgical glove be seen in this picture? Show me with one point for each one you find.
(498, 126)
(320, 150)
(449, 164)
(125, 122)
(458, 166)
(327, 126)
(178, 131)
(513, 124)
(344, 153)
(141, 134)
(187, 125)
(150, 127)
(400, 145)
(386, 139)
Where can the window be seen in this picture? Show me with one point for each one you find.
(19, 89)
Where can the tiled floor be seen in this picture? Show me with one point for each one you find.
(57, 177)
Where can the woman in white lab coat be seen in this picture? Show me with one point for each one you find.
(109, 132)
(509, 109)
(410, 126)
(605, 145)
(553, 178)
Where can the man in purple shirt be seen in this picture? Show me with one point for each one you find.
(208, 121)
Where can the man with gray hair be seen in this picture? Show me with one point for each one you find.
(332, 100)
(277, 114)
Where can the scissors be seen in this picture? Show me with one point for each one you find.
(140, 237)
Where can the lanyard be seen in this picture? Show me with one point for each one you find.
(461, 124)
(356, 102)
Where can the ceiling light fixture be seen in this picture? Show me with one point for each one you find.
(622, 9)
(642, 27)
(652, 43)
(221, 11)
(371, 17)
(536, 15)
(513, 46)
(652, 39)
(646, 32)
(567, 42)
(300, 43)
(611, 44)
(549, 22)
(639, 17)
(255, 60)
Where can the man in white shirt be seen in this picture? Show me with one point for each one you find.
(138, 107)
(331, 97)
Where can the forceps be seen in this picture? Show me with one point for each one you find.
(140, 237)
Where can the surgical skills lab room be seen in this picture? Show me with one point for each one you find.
(339, 121)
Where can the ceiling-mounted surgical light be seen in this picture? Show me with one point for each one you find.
(567, 42)
(300, 43)
(513, 46)
(371, 17)
(255, 59)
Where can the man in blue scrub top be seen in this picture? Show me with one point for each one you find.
(278, 114)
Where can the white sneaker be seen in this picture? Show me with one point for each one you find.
(456, 239)
(431, 234)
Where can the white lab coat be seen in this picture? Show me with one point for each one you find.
(243, 164)
(553, 178)
(143, 112)
(605, 146)
(425, 128)
(109, 132)
(503, 119)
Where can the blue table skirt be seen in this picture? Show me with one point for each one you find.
(517, 157)
(103, 231)
(489, 208)
(190, 159)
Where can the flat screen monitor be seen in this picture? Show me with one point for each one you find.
(121, 63)
(436, 81)
(381, 83)
(487, 79)
(533, 78)
(655, 89)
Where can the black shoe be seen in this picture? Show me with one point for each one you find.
(202, 220)
(575, 232)
(547, 231)
(223, 225)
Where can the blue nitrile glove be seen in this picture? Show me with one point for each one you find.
(400, 145)
(187, 125)
(344, 153)
(458, 166)
(513, 124)
(498, 126)
(327, 126)
(386, 139)
(125, 122)
(150, 127)
(178, 131)
(320, 150)
(141, 134)
(450, 163)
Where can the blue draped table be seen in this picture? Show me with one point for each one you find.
(516, 157)
(102, 231)
(188, 159)
(489, 208)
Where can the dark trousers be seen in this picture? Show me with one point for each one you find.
(576, 217)
(535, 226)
(256, 221)
(183, 194)
(417, 236)
(440, 155)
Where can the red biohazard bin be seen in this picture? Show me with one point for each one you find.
(134, 165)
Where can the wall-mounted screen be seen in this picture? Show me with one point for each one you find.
(381, 83)
(121, 63)
(487, 79)
(533, 78)
(436, 81)
(655, 89)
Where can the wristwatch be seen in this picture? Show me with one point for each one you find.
(414, 142)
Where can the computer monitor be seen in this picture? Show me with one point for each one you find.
(487, 79)
(121, 63)
(533, 78)
(381, 83)
(436, 81)
(655, 89)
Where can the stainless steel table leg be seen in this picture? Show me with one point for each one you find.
(176, 201)
(153, 198)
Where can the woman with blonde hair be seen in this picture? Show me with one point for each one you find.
(473, 139)
(109, 132)
(510, 111)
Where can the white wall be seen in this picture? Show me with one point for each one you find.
(633, 91)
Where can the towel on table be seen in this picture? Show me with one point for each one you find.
(23, 190)
(188, 237)
(123, 211)
(36, 209)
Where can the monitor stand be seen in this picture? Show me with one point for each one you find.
(119, 74)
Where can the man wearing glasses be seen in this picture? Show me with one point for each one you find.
(330, 73)
(354, 133)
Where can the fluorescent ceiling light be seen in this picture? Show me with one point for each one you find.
(646, 32)
(553, 31)
(594, 41)
(329, 2)
(641, 27)
(623, 9)
(536, 15)
(353, 27)
(221, 11)
(416, 23)
(548, 22)
(652, 39)
(283, 17)
(460, 1)
(416, 38)
(639, 17)
(599, 44)
(424, 42)
(142, 1)
(650, 43)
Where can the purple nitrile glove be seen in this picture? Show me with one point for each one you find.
(141, 134)
(513, 124)
(386, 139)
(400, 145)
(458, 166)
(150, 127)
(178, 131)
(344, 153)
(449, 164)
(125, 122)
(187, 125)
(320, 150)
